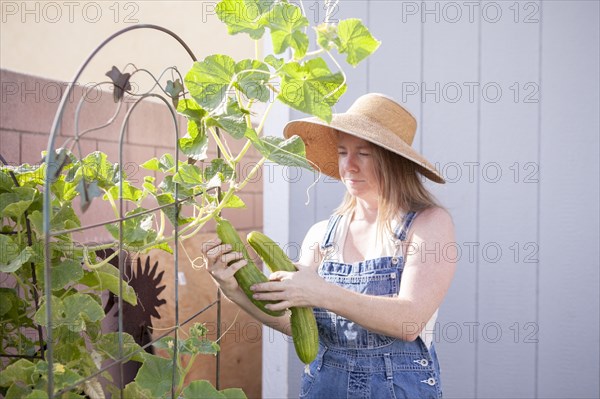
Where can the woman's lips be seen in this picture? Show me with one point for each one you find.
(354, 181)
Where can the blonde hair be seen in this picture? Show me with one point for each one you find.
(401, 189)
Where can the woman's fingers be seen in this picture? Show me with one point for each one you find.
(230, 257)
(209, 245)
(234, 267)
(269, 295)
(280, 276)
(218, 250)
(267, 287)
(283, 305)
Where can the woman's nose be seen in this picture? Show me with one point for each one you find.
(349, 163)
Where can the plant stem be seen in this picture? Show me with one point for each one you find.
(243, 151)
(86, 259)
(313, 53)
(112, 202)
(252, 173)
(341, 71)
(221, 146)
(161, 230)
(264, 118)
(258, 132)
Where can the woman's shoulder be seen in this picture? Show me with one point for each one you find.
(434, 213)
(317, 231)
(311, 246)
(433, 219)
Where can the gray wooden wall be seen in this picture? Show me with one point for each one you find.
(507, 97)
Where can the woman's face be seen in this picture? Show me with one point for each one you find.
(355, 162)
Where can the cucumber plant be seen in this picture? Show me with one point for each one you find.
(218, 94)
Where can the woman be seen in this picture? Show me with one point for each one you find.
(375, 272)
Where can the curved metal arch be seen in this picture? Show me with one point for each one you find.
(53, 167)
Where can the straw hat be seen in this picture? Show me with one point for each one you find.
(373, 117)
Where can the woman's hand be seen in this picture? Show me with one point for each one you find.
(292, 289)
(218, 256)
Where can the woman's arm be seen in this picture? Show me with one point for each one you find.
(428, 270)
(217, 257)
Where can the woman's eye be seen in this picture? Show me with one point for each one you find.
(364, 154)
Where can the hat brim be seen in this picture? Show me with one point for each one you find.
(320, 140)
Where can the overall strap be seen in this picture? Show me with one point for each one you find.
(402, 230)
(330, 232)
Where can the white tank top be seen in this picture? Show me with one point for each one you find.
(383, 248)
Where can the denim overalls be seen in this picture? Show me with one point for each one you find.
(354, 362)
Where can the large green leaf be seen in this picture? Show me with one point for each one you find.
(18, 203)
(289, 152)
(355, 40)
(64, 190)
(190, 109)
(106, 277)
(130, 193)
(275, 62)
(233, 393)
(63, 273)
(36, 219)
(16, 391)
(218, 167)
(15, 310)
(11, 257)
(327, 35)
(202, 346)
(63, 376)
(64, 218)
(190, 346)
(188, 176)
(36, 394)
(96, 167)
(164, 164)
(57, 316)
(155, 375)
(81, 307)
(148, 184)
(108, 344)
(73, 349)
(30, 175)
(231, 118)
(168, 186)
(6, 182)
(133, 390)
(244, 16)
(202, 389)
(195, 143)
(235, 202)
(287, 24)
(251, 81)
(7, 296)
(208, 80)
(7, 200)
(138, 230)
(19, 371)
(311, 87)
(169, 211)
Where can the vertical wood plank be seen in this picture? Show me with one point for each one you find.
(568, 271)
(449, 139)
(395, 68)
(508, 170)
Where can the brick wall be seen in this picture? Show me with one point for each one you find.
(28, 107)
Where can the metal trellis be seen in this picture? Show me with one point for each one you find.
(53, 167)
